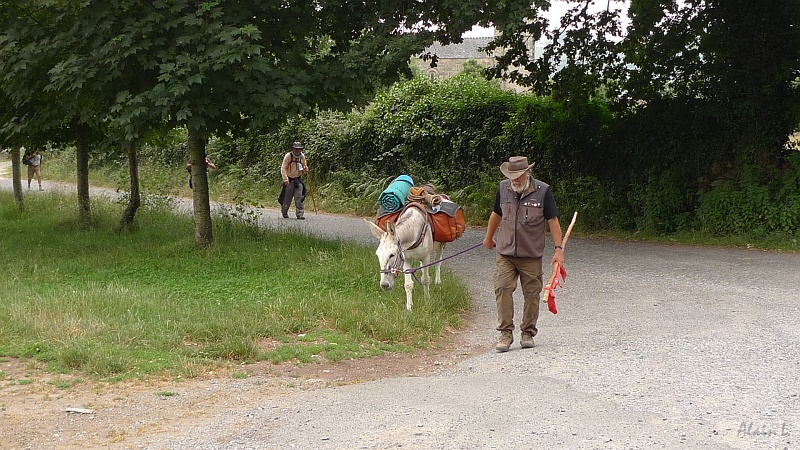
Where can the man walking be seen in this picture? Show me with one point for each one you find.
(522, 206)
(35, 167)
(292, 168)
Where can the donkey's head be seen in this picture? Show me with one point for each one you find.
(389, 252)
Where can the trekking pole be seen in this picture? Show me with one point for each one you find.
(311, 188)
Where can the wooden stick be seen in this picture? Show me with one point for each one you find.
(546, 292)
(569, 230)
(311, 188)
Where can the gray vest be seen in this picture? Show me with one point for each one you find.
(521, 232)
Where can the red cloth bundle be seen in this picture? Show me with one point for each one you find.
(561, 275)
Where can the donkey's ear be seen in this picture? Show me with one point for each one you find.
(376, 230)
(390, 227)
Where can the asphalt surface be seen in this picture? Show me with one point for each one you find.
(654, 346)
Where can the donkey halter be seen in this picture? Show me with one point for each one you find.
(397, 267)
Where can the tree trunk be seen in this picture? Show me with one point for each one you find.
(135, 196)
(82, 173)
(203, 235)
(16, 177)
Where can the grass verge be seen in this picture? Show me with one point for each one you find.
(116, 306)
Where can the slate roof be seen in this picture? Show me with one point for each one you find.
(465, 50)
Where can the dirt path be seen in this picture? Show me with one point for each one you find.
(655, 346)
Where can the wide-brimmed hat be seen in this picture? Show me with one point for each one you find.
(515, 166)
(297, 144)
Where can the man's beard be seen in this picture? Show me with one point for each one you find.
(519, 187)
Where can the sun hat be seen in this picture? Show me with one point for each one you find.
(297, 144)
(515, 166)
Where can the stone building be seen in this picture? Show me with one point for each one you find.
(452, 58)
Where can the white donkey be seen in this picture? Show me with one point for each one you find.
(409, 240)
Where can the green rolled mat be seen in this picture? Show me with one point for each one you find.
(394, 197)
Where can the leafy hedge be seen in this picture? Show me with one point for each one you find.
(656, 169)
(765, 200)
(444, 131)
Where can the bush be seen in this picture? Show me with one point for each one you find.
(443, 130)
(763, 200)
(599, 205)
(664, 204)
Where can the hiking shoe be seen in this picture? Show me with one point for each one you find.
(527, 340)
(301, 218)
(285, 216)
(506, 339)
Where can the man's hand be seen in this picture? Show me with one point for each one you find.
(558, 256)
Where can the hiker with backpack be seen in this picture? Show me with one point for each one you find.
(34, 162)
(292, 168)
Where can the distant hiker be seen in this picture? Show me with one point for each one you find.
(209, 164)
(292, 168)
(34, 163)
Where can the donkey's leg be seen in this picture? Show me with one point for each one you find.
(426, 276)
(426, 282)
(408, 282)
(438, 274)
(438, 250)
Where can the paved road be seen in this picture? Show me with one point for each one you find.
(654, 346)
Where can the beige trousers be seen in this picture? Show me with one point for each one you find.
(529, 272)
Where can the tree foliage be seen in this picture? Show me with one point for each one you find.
(123, 68)
(737, 61)
(741, 58)
(579, 54)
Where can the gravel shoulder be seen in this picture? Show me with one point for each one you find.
(654, 346)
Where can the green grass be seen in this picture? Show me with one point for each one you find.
(116, 306)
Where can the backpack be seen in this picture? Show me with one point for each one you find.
(26, 159)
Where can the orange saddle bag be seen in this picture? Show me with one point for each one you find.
(448, 222)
